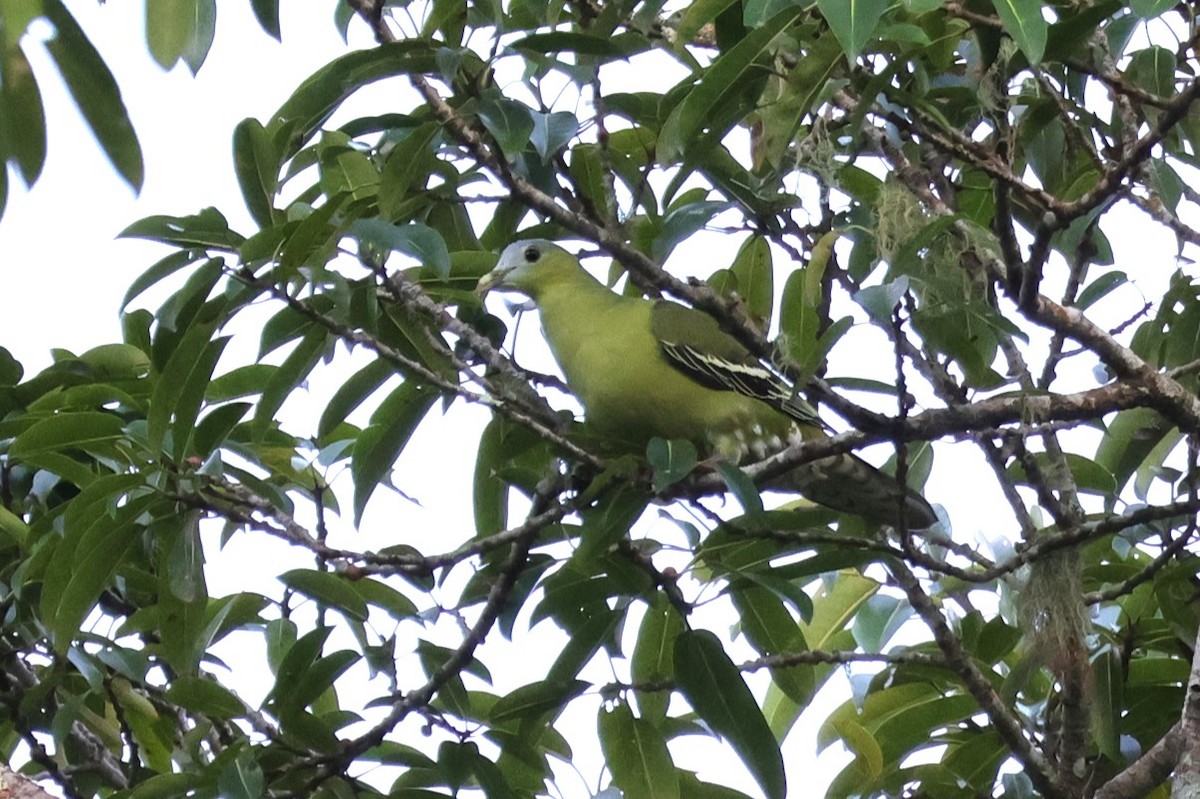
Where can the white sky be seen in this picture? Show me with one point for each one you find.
(65, 275)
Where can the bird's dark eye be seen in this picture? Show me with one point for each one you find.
(532, 254)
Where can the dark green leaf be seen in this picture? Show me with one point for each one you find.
(1100, 288)
(567, 42)
(161, 270)
(74, 586)
(78, 430)
(290, 375)
(671, 460)
(95, 92)
(22, 118)
(713, 686)
(327, 588)
(530, 701)
(1149, 9)
(419, 241)
(257, 167)
(726, 79)
(205, 229)
(242, 778)
(741, 486)
(320, 95)
(267, 14)
(772, 631)
(352, 393)
(205, 695)
(508, 121)
(380, 444)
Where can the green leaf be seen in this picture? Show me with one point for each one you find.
(636, 755)
(1153, 69)
(22, 118)
(853, 23)
(407, 166)
(489, 494)
(205, 695)
(77, 430)
(74, 585)
(290, 375)
(242, 778)
(419, 241)
(169, 28)
(569, 42)
(834, 606)
(383, 596)
(1088, 475)
(1149, 9)
(353, 392)
(881, 301)
(772, 631)
(714, 687)
(1100, 288)
(257, 167)
(160, 271)
(13, 527)
(878, 620)
(380, 444)
(509, 122)
(205, 229)
(95, 92)
(328, 589)
(345, 169)
(1106, 703)
(321, 93)
(719, 88)
(552, 132)
(610, 520)
(534, 699)
(589, 176)
(163, 786)
(671, 460)
(315, 680)
(754, 270)
(682, 221)
(868, 756)
(203, 31)
(267, 14)
(653, 656)
(1023, 21)
(695, 16)
(11, 370)
(741, 486)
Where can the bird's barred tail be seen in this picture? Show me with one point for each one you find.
(848, 483)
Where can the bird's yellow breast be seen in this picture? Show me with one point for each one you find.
(614, 365)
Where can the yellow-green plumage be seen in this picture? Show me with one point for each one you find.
(644, 368)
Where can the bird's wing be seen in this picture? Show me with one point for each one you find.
(694, 344)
